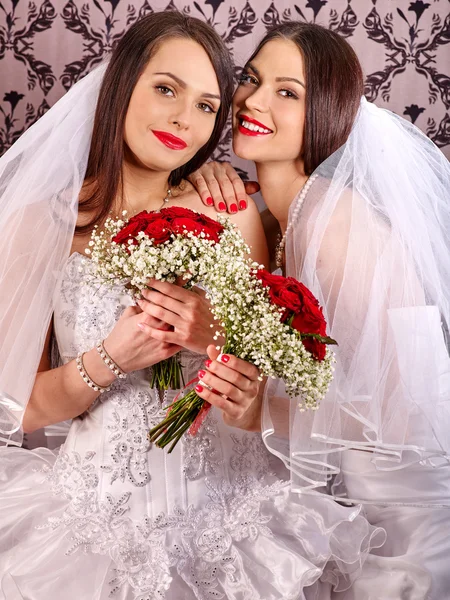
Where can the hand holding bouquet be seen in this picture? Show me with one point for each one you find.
(274, 323)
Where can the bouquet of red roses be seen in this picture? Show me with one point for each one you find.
(171, 244)
(275, 323)
(301, 311)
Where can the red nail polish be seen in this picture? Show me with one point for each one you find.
(198, 388)
(225, 358)
(209, 201)
(201, 374)
(222, 206)
(208, 363)
(233, 208)
(242, 204)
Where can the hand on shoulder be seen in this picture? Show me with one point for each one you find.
(220, 185)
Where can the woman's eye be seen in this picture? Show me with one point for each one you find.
(288, 94)
(246, 78)
(164, 90)
(206, 108)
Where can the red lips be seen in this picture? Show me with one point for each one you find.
(246, 131)
(171, 141)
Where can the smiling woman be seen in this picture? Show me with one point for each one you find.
(273, 84)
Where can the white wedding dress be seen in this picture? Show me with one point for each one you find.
(110, 516)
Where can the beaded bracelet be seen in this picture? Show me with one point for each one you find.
(90, 382)
(109, 361)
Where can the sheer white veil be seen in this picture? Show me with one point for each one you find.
(372, 242)
(40, 181)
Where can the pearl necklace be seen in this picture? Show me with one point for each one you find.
(279, 250)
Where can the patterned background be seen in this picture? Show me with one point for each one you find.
(404, 46)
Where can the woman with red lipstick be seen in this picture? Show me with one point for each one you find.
(361, 199)
(110, 516)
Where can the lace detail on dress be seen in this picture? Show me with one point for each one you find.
(250, 455)
(101, 527)
(92, 311)
(199, 543)
(136, 411)
(232, 515)
(201, 453)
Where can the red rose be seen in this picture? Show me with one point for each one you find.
(139, 222)
(267, 279)
(300, 305)
(311, 320)
(211, 224)
(283, 291)
(174, 212)
(316, 348)
(144, 218)
(159, 231)
(129, 232)
(203, 223)
(182, 224)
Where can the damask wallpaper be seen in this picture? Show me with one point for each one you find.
(404, 46)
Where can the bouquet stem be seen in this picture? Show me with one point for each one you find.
(185, 414)
(167, 374)
(181, 414)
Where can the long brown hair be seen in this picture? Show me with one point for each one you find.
(129, 59)
(334, 86)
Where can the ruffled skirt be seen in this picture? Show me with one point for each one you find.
(277, 551)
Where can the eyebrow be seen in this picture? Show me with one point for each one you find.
(183, 85)
(290, 79)
(255, 70)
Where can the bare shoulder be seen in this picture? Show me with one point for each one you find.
(246, 217)
(249, 224)
(189, 198)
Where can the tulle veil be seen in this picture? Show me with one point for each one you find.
(40, 180)
(372, 241)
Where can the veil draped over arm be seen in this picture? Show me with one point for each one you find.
(40, 181)
(372, 242)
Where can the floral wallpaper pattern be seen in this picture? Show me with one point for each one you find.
(404, 46)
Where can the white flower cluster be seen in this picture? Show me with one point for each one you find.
(240, 303)
(254, 332)
(188, 256)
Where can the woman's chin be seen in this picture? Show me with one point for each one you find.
(244, 152)
(160, 166)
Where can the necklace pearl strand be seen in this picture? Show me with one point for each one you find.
(279, 250)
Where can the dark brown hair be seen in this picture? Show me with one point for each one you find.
(129, 59)
(334, 86)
